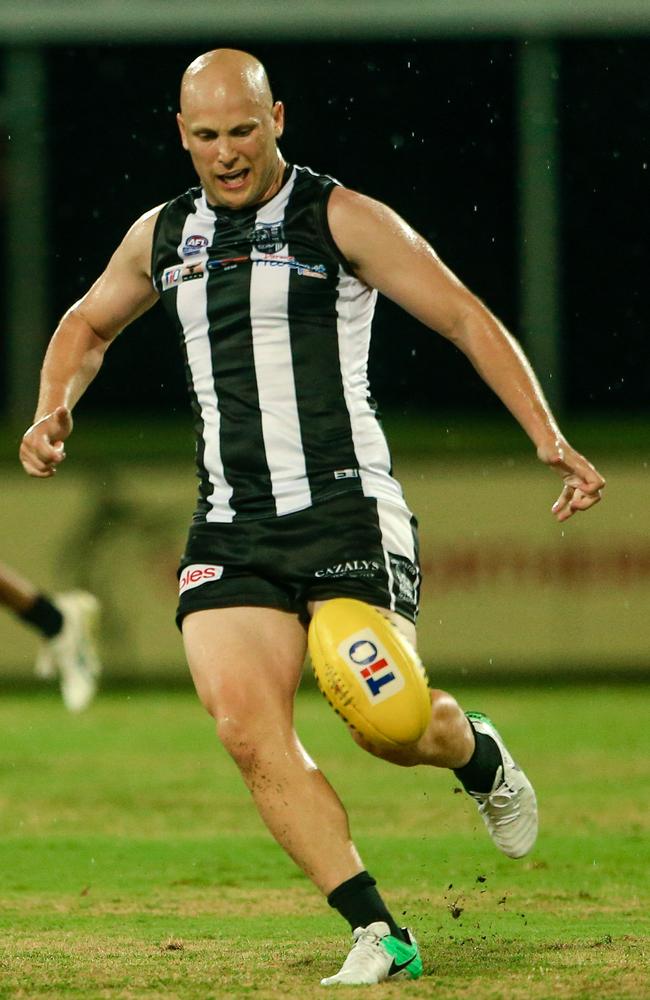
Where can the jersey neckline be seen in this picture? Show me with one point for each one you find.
(230, 213)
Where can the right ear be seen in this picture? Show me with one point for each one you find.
(181, 129)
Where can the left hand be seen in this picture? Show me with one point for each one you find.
(42, 446)
(582, 482)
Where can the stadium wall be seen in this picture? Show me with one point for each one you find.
(507, 591)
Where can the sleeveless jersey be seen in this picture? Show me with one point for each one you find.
(275, 333)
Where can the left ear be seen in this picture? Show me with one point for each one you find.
(278, 118)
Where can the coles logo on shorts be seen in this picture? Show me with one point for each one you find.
(198, 574)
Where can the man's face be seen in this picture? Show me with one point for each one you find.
(232, 142)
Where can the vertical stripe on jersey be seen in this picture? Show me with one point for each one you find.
(396, 538)
(355, 306)
(269, 314)
(233, 366)
(323, 412)
(191, 304)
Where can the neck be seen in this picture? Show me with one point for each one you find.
(278, 178)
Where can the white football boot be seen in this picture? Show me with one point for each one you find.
(72, 654)
(509, 809)
(377, 955)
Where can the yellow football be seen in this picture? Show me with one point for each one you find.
(369, 673)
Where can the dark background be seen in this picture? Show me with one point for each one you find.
(430, 128)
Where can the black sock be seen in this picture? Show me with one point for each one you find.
(479, 772)
(358, 902)
(44, 616)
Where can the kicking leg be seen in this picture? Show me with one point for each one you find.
(471, 746)
(448, 740)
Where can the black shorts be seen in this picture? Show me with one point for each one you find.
(349, 546)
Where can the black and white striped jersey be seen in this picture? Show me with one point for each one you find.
(275, 332)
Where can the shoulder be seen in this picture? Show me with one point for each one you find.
(344, 201)
(135, 248)
(358, 223)
(143, 227)
(140, 237)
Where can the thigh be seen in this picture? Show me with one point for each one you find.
(245, 660)
(223, 567)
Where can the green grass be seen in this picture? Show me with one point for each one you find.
(133, 864)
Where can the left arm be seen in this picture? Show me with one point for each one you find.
(388, 255)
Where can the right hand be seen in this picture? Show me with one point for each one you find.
(41, 449)
(582, 482)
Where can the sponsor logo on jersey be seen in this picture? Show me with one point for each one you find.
(367, 658)
(194, 244)
(197, 574)
(353, 567)
(303, 270)
(346, 474)
(268, 237)
(178, 273)
(225, 263)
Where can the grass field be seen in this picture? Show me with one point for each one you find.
(133, 865)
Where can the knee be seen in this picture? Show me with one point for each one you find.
(241, 739)
(235, 723)
(446, 742)
(449, 737)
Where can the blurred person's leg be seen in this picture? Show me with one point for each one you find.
(67, 623)
(35, 608)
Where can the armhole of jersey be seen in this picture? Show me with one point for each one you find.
(154, 242)
(327, 232)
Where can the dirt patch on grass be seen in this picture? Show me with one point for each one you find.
(180, 900)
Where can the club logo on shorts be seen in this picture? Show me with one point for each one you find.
(197, 574)
(369, 661)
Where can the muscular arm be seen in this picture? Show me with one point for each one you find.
(388, 255)
(76, 351)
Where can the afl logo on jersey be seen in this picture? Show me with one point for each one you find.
(194, 244)
(268, 237)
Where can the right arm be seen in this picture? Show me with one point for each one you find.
(76, 351)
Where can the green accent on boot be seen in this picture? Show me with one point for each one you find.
(479, 717)
(406, 957)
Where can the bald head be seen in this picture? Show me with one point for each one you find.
(223, 75)
(230, 125)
